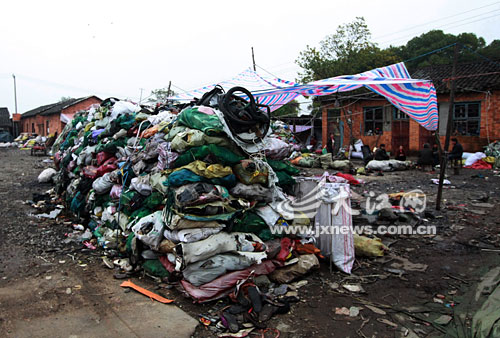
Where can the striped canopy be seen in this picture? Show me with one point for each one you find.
(417, 98)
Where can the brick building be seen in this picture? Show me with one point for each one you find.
(476, 113)
(50, 118)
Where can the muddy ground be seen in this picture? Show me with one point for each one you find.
(41, 275)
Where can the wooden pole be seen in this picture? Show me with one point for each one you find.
(253, 60)
(444, 157)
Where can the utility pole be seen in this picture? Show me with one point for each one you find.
(168, 90)
(15, 91)
(444, 158)
(253, 60)
(140, 99)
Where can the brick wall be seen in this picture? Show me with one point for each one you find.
(54, 120)
(490, 123)
(490, 119)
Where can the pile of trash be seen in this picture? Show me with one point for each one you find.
(492, 151)
(282, 131)
(188, 194)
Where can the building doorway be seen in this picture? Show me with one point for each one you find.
(400, 131)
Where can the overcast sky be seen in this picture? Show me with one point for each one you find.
(114, 48)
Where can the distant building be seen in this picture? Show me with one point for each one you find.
(52, 118)
(476, 112)
(5, 121)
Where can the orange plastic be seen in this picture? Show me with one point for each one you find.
(151, 295)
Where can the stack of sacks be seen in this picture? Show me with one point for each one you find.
(173, 193)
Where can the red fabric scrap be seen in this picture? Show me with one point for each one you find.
(479, 164)
(349, 178)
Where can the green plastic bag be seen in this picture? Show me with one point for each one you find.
(249, 222)
(283, 166)
(192, 118)
(218, 154)
(185, 176)
(126, 121)
(284, 179)
(140, 213)
(155, 268)
(153, 200)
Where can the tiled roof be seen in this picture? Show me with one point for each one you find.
(482, 76)
(53, 108)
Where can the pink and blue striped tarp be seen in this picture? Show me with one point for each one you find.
(417, 98)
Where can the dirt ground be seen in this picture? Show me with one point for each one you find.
(41, 275)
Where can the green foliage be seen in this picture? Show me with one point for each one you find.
(65, 98)
(347, 51)
(289, 109)
(435, 39)
(350, 51)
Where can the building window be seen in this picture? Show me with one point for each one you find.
(466, 118)
(33, 128)
(47, 126)
(374, 120)
(398, 114)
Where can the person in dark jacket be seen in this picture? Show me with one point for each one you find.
(381, 154)
(400, 154)
(457, 151)
(425, 156)
(330, 146)
(435, 154)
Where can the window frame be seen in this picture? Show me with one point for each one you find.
(396, 112)
(466, 119)
(373, 120)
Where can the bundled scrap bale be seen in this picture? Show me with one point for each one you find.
(184, 195)
(389, 165)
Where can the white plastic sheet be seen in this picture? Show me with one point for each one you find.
(474, 158)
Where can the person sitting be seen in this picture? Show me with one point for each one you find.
(456, 151)
(455, 156)
(313, 142)
(381, 154)
(435, 154)
(425, 157)
(400, 154)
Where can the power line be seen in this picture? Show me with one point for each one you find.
(433, 21)
(445, 26)
(267, 72)
(51, 83)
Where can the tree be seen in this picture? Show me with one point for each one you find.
(436, 39)
(160, 95)
(289, 109)
(347, 51)
(65, 98)
(492, 51)
(350, 51)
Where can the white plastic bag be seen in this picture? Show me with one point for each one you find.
(103, 184)
(334, 214)
(46, 175)
(474, 158)
(154, 236)
(141, 185)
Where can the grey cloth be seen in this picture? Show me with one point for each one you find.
(253, 192)
(217, 244)
(209, 269)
